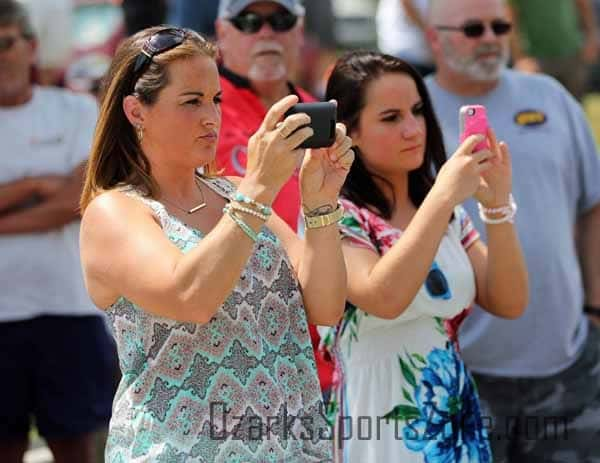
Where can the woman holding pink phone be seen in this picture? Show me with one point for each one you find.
(415, 266)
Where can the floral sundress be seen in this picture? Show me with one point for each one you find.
(402, 391)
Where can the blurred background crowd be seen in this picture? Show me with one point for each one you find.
(77, 39)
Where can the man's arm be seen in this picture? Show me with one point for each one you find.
(589, 251)
(521, 60)
(588, 231)
(587, 17)
(55, 210)
(413, 13)
(14, 193)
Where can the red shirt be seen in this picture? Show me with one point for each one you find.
(242, 115)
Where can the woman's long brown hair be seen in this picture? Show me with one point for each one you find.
(116, 157)
(348, 84)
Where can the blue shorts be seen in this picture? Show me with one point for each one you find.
(60, 371)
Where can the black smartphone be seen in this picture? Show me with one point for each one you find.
(323, 117)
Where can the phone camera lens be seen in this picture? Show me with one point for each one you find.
(471, 112)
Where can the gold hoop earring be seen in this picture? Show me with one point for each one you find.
(139, 130)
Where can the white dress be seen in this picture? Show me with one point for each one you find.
(402, 392)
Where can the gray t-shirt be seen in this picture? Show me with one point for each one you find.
(556, 178)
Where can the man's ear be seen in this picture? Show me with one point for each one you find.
(301, 24)
(222, 36)
(300, 31)
(134, 111)
(33, 47)
(433, 38)
(220, 29)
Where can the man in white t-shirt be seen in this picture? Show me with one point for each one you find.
(56, 357)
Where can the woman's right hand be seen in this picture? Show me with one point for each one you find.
(272, 151)
(460, 176)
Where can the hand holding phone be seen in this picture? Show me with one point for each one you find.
(473, 121)
(323, 117)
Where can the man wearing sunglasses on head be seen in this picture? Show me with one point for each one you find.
(260, 43)
(538, 376)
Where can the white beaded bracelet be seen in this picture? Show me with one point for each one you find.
(509, 212)
(247, 210)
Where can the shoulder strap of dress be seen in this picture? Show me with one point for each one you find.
(157, 208)
(220, 185)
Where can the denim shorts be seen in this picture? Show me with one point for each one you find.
(58, 371)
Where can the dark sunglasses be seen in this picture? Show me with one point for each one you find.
(436, 283)
(156, 44)
(160, 42)
(7, 42)
(475, 29)
(250, 23)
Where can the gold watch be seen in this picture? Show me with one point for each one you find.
(319, 221)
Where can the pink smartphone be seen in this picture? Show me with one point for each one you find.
(473, 121)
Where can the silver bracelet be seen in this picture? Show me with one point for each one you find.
(509, 212)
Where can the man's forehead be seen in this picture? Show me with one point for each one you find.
(262, 7)
(445, 11)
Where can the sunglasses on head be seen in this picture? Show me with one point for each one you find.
(7, 42)
(249, 22)
(159, 42)
(475, 29)
(436, 283)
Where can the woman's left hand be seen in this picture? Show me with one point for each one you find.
(496, 182)
(324, 171)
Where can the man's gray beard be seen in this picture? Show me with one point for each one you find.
(267, 72)
(477, 70)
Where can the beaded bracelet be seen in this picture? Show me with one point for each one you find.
(509, 212)
(247, 210)
(243, 199)
(243, 225)
(502, 209)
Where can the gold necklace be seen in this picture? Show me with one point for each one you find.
(202, 205)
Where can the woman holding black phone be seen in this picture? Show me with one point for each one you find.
(208, 292)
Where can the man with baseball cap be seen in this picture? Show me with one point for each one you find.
(231, 8)
(260, 43)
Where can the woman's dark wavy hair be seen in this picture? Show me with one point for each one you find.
(348, 84)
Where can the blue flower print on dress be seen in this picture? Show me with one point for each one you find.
(436, 283)
(443, 419)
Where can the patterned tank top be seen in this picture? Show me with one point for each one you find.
(241, 388)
